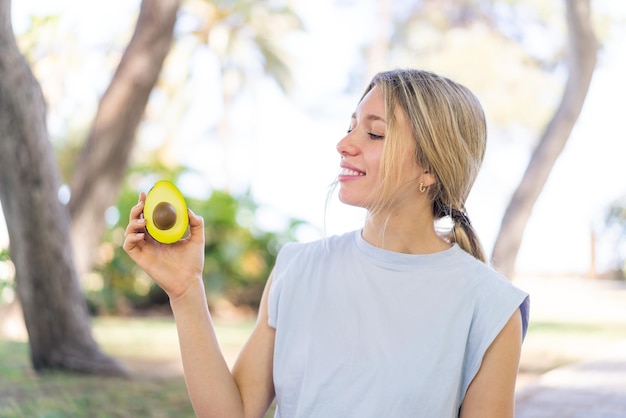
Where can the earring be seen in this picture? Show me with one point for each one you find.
(421, 187)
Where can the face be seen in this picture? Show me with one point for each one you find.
(361, 151)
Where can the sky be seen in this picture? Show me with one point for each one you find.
(292, 160)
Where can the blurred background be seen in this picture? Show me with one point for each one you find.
(275, 136)
(245, 106)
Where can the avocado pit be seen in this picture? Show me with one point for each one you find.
(164, 216)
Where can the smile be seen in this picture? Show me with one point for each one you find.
(349, 172)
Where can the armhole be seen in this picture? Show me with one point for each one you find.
(525, 311)
(276, 287)
(491, 333)
(273, 300)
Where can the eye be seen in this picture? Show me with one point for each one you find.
(375, 137)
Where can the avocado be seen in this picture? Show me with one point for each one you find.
(165, 212)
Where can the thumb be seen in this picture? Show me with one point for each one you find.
(196, 225)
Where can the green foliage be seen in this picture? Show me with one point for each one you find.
(5, 280)
(239, 256)
(616, 215)
(613, 232)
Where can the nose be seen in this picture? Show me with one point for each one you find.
(346, 146)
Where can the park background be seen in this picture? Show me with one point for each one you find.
(274, 151)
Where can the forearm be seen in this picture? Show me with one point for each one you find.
(210, 384)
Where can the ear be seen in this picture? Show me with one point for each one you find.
(428, 178)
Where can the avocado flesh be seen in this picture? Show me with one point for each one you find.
(165, 212)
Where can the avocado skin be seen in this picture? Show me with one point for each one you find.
(165, 191)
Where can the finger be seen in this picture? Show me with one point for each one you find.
(196, 225)
(136, 210)
(135, 225)
(133, 240)
(194, 220)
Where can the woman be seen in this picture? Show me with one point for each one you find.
(398, 319)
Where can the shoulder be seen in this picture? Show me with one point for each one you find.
(494, 300)
(490, 289)
(297, 266)
(482, 277)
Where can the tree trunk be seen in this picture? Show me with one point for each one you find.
(581, 63)
(99, 172)
(55, 312)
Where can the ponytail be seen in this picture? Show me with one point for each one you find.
(462, 231)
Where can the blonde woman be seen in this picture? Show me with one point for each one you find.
(397, 319)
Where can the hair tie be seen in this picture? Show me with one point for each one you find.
(459, 216)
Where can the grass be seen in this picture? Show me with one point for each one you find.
(149, 348)
(551, 344)
(51, 395)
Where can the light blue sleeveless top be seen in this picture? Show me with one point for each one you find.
(364, 332)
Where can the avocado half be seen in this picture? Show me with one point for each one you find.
(165, 212)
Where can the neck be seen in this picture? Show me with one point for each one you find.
(404, 232)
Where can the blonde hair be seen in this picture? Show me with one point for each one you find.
(449, 134)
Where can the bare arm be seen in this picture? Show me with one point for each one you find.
(213, 390)
(492, 392)
(210, 385)
(253, 370)
(177, 268)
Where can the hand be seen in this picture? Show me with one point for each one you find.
(173, 266)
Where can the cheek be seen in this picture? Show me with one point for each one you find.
(413, 171)
(410, 168)
(374, 160)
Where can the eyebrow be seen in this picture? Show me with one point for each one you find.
(371, 117)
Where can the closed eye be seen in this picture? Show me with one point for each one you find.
(375, 137)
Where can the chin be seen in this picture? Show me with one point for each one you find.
(346, 199)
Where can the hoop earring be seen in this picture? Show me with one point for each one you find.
(421, 187)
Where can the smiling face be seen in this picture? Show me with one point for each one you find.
(361, 149)
(361, 178)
